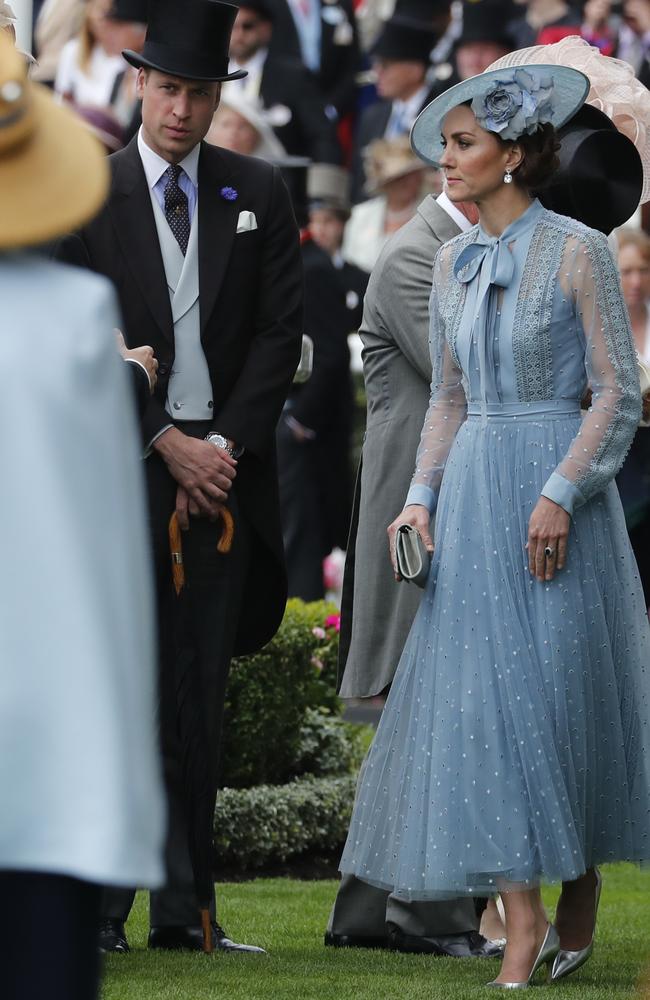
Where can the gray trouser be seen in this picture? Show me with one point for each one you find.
(362, 910)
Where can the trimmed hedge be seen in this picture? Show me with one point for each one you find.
(258, 826)
(270, 693)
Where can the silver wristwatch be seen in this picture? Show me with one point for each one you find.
(220, 441)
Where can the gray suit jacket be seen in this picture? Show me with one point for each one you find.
(377, 612)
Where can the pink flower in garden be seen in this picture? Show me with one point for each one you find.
(318, 632)
(315, 662)
(333, 621)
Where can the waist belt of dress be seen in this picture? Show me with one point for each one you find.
(541, 408)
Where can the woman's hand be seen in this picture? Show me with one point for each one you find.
(548, 528)
(419, 518)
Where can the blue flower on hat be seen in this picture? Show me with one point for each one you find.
(230, 194)
(516, 104)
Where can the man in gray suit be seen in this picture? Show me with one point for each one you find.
(377, 613)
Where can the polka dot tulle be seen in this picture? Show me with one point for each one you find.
(176, 207)
(514, 744)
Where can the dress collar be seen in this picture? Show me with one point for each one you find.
(520, 225)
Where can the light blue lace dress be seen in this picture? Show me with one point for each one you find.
(515, 742)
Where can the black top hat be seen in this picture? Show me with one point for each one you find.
(261, 7)
(487, 21)
(130, 10)
(402, 38)
(192, 43)
(600, 178)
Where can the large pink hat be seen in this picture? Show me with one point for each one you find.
(614, 88)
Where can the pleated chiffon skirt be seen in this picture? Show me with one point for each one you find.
(515, 742)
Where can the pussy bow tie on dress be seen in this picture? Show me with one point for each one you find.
(490, 260)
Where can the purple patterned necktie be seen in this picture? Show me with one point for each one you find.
(176, 208)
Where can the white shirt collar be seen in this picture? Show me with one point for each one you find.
(155, 166)
(255, 65)
(454, 213)
(411, 107)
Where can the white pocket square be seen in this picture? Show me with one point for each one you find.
(246, 222)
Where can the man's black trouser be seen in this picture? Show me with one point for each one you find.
(214, 587)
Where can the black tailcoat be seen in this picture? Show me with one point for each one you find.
(251, 322)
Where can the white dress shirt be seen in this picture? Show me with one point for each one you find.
(454, 213)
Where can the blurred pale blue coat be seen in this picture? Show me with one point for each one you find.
(80, 788)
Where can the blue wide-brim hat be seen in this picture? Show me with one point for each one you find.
(510, 103)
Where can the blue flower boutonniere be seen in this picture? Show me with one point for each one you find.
(229, 194)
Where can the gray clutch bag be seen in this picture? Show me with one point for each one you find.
(413, 557)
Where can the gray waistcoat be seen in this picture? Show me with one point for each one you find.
(189, 396)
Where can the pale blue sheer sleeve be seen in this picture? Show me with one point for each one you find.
(448, 404)
(597, 452)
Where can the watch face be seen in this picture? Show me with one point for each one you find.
(219, 440)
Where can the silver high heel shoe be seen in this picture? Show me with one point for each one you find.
(547, 953)
(567, 962)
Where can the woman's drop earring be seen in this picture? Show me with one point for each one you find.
(507, 177)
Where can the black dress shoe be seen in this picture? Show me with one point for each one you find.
(112, 937)
(468, 945)
(191, 939)
(354, 941)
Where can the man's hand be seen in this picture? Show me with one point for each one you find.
(419, 518)
(204, 472)
(548, 528)
(144, 355)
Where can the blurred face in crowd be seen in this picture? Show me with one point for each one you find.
(398, 78)
(232, 131)
(405, 189)
(326, 227)
(250, 33)
(129, 35)
(176, 113)
(634, 266)
(473, 58)
(473, 160)
(637, 14)
(100, 27)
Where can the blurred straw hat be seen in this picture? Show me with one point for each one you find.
(385, 160)
(614, 89)
(53, 174)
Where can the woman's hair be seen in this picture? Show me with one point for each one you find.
(87, 39)
(540, 158)
(636, 238)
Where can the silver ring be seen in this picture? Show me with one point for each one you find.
(549, 552)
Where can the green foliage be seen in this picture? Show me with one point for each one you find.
(270, 693)
(258, 826)
(329, 746)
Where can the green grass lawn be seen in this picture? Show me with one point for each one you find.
(288, 918)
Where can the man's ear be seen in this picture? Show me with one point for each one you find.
(217, 96)
(140, 82)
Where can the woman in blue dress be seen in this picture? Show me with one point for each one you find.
(515, 742)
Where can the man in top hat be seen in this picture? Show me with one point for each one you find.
(202, 246)
(323, 35)
(400, 59)
(314, 434)
(484, 36)
(287, 90)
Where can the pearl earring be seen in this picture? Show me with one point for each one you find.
(507, 177)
